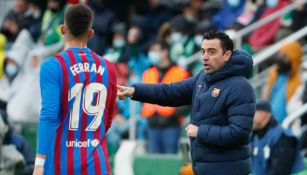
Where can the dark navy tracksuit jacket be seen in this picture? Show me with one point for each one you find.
(223, 107)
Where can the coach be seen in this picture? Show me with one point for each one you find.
(223, 106)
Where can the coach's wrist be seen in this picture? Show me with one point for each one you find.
(131, 91)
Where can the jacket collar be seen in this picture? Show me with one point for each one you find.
(240, 64)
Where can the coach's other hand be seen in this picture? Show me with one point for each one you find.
(124, 92)
(191, 130)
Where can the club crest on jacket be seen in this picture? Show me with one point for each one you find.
(215, 92)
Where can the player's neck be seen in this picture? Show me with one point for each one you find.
(75, 44)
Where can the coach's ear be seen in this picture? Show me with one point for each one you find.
(62, 29)
(90, 33)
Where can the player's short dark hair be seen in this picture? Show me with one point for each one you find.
(78, 19)
(226, 42)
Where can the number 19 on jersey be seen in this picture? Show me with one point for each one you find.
(90, 105)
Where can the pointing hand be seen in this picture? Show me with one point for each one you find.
(124, 92)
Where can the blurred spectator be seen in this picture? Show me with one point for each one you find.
(12, 66)
(103, 22)
(251, 13)
(52, 19)
(164, 33)
(164, 122)
(266, 34)
(274, 149)
(192, 43)
(141, 22)
(228, 14)
(135, 57)
(15, 20)
(137, 63)
(181, 38)
(198, 37)
(124, 11)
(16, 155)
(25, 105)
(30, 54)
(209, 9)
(49, 30)
(36, 11)
(253, 9)
(119, 44)
(284, 80)
(206, 10)
(157, 15)
(49, 39)
(299, 17)
(297, 100)
(191, 10)
(12, 162)
(193, 62)
(300, 94)
(196, 65)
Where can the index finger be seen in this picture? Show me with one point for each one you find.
(120, 87)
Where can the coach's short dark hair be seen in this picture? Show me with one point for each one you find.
(78, 19)
(226, 42)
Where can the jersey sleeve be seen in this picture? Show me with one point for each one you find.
(50, 76)
(112, 94)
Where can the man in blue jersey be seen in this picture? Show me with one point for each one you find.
(78, 90)
(275, 150)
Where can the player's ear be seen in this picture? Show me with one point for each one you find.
(90, 33)
(62, 29)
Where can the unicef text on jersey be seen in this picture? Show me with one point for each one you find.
(82, 144)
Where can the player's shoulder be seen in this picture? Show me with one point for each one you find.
(110, 66)
(111, 70)
(51, 60)
(50, 63)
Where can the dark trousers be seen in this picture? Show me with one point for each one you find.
(164, 140)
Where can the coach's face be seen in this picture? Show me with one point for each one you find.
(213, 56)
